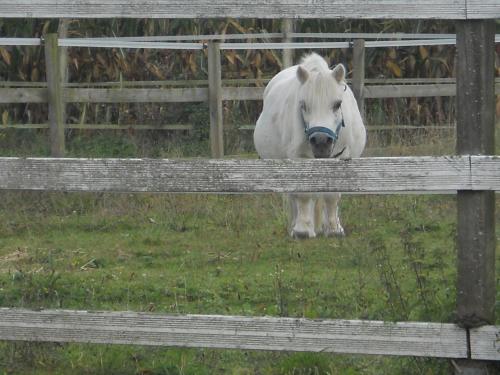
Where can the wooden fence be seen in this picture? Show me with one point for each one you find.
(423, 175)
(474, 177)
(214, 91)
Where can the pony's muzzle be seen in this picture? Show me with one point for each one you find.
(321, 144)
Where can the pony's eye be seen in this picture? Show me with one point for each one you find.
(303, 106)
(336, 105)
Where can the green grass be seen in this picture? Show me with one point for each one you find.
(221, 254)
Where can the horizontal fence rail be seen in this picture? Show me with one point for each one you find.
(393, 9)
(237, 332)
(157, 43)
(118, 43)
(365, 175)
(189, 127)
(485, 343)
(200, 94)
(225, 82)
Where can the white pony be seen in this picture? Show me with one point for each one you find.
(309, 111)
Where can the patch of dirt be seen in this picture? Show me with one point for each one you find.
(10, 260)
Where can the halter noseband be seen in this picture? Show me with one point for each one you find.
(334, 135)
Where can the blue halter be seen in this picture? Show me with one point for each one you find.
(334, 135)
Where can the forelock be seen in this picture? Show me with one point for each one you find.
(321, 88)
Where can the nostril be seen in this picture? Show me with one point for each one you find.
(313, 140)
(329, 141)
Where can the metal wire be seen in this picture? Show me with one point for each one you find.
(20, 41)
(118, 43)
(370, 36)
(180, 38)
(159, 43)
(298, 45)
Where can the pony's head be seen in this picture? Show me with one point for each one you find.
(320, 98)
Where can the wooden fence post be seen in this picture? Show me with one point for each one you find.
(476, 210)
(358, 74)
(287, 28)
(215, 100)
(62, 32)
(55, 97)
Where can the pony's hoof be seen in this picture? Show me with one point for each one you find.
(339, 232)
(302, 235)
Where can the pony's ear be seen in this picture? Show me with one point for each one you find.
(339, 73)
(302, 74)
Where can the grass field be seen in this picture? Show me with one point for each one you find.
(224, 254)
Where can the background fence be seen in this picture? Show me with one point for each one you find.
(218, 90)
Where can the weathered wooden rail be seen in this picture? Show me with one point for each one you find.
(237, 332)
(200, 94)
(474, 178)
(425, 175)
(402, 9)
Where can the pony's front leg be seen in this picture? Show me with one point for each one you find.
(332, 226)
(302, 215)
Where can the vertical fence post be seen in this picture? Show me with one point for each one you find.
(476, 209)
(62, 31)
(358, 74)
(215, 100)
(287, 28)
(55, 98)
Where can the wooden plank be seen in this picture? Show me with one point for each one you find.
(182, 127)
(54, 95)
(476, 239)
(204, 37)
(287, 26)
(476, 210)
(163, 83)
(364, 175)
(405, 91)
(13, 84)
(127, 84)
(93, 95)
(179, 95)
(106, 126)
(190, 127)
(62, 32)
(408, 81)
(226, 82)
(232, 93)
(242, 93)
(420, 91)
(374, 9)
(383, 127)
(235, 332)
(215, 100)
(481, 9)
(483, 175)
(485, 343)
(23, 95)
